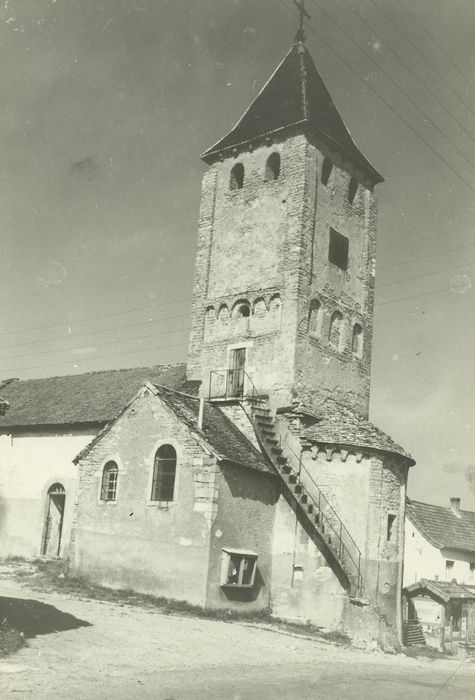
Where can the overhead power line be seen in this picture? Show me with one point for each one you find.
(75, 336)
(67, 322)
(418, 238)
(437, 43)
(98, 357)
(396, 85)
(427, 274)
(425, 257)
(413, 296)
(97, 345)
(407, 66)
(424, 58)
(322, 40)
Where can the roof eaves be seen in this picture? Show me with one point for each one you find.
(86, 450)
(416, 522)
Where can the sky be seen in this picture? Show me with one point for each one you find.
(105, 107)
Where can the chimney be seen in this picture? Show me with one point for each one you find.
(455, 505)
(200, 414)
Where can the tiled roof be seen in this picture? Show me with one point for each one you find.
(341, 425)
(441, 526)
(218, 430)
(441, 590)
(95, 397)
(295, 95)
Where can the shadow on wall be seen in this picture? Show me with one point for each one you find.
(32, 617)
(241, 488)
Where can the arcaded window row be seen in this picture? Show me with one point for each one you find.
(271, 172)
(336, 329)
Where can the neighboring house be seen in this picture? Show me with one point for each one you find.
(271, 486)
(47, 423)
(439, 543)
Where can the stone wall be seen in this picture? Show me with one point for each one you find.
(133, 542)
(266, 246)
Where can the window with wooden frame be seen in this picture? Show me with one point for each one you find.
(110, 475)
(238, 568)
(164, 473)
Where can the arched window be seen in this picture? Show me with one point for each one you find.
(326, 170)
(236, 180)
(275, 310)
(242, 310)
(164, 472)
(352, 189)
(336, 328)
(110, 475)
(357, 340)
(314, 317)
(210, 319)
(272, 171)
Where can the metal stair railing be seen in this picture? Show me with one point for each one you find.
(345, 550)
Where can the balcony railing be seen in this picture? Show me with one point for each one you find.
(231, 384)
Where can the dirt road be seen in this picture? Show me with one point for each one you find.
(108, 650)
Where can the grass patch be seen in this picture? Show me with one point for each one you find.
(54, 575)
(425, 651)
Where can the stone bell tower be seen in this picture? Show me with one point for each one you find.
(284, 285)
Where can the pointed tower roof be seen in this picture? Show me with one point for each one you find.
(294, 98)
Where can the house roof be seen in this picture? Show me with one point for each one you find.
(442, 591)
(441, 526)
(218, 431)
(94, 397)
(338, 424)
(295, 95)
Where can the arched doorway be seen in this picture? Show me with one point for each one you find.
(55, 501)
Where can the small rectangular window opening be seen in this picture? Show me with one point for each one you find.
(471, 575)
(338, 250)
(238, 568)
(449, 565)
(391, 527)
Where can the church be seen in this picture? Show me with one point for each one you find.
(251, 478)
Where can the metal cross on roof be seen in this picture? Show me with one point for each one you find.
(300, 36)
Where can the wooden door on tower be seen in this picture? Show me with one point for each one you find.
(236, 372)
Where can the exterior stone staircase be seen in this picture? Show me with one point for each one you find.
(413, 634)
(315, 513)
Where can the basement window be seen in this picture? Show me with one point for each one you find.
(338, 250)
(238, 568)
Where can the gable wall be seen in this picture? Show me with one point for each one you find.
(132, 543)
(423, 560)
(30, 462)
